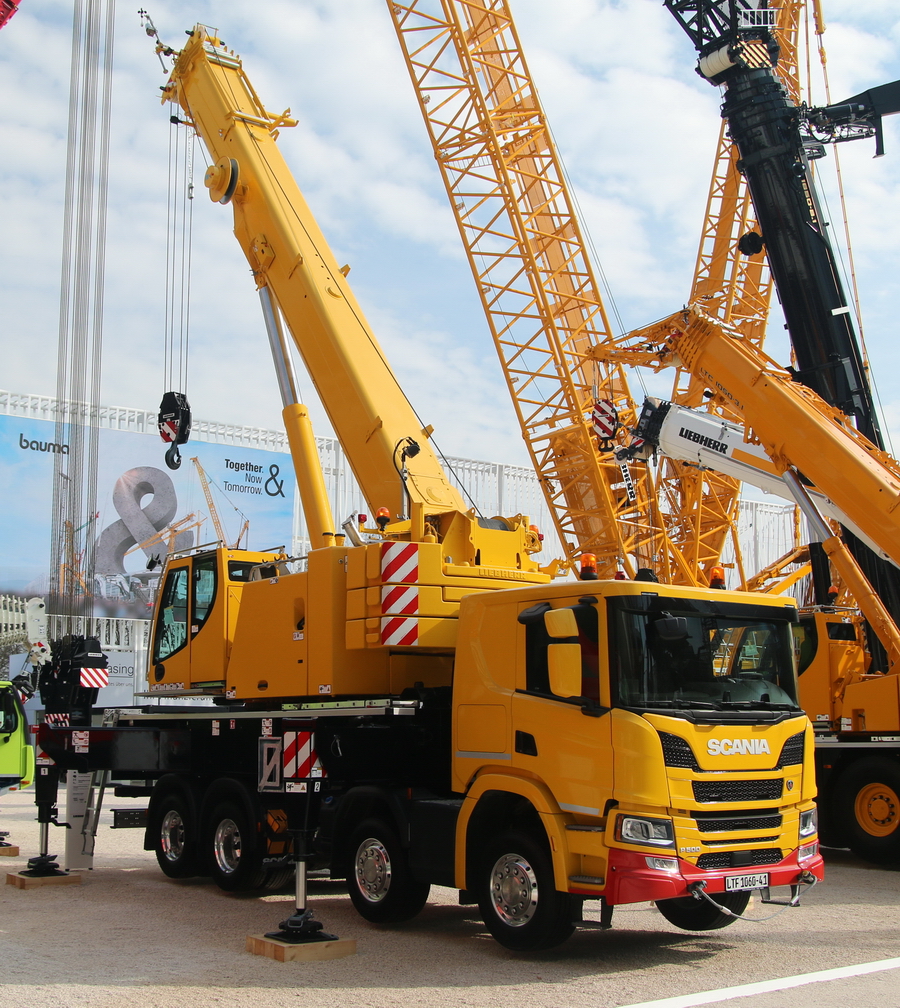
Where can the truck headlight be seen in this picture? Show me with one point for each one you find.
(809, 822)
(640, 830)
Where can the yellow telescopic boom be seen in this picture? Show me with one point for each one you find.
(290, 257)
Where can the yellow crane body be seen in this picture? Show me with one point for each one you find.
(556, 742)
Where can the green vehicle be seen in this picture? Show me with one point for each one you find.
(16, 751)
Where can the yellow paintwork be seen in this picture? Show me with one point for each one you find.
(873, 704)
(835, 666)
(542, 799)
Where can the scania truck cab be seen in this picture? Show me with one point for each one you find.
(657, 733)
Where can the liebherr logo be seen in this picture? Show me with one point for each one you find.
(702, 439)
(738, 747)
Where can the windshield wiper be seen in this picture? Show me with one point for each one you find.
(757, 705)
(681, 704)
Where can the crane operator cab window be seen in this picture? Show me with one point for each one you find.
(668, 659)
(543, 634)
(204, 589)
(171, 627)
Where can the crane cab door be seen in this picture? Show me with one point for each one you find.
(189, 636)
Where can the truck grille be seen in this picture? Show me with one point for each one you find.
(677, 752)
(791, 751)
(737, 791)
(739, 859)
(748, 822)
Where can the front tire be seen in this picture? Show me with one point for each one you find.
(691, 914)
(379, 879)
(867, 804)
(175, 837)
(517, 896)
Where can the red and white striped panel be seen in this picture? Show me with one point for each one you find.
(94, 678)
(57, 720)
(298, 756)
(399, 630)
(402, 600)
(168, 431)
(400, 562)
(604, 418)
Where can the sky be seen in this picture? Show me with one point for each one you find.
(635, 125)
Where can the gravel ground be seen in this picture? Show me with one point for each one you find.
(130, 937)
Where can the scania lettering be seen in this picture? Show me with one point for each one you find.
(734, 747)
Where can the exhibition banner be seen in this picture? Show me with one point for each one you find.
(143, 509)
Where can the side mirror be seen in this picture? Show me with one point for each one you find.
(561, 623)
(564, 667)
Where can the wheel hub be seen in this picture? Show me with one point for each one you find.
(171, 835)
(878, 809)
(373, 870)
(227, 846)
(514, 890)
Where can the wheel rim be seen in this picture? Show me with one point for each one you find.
(514, 890)
(227, 846)
(171, 835)
(373, 870)
(877, 809)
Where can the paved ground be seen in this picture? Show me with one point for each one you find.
(130, 937)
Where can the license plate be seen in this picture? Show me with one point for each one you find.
(734, 883)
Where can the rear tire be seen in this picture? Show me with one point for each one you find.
(518, 898)
(175, 837)
(233, 849)
(867, 803)
(379, 879)
(691, 914)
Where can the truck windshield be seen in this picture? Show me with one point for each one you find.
(695, 660)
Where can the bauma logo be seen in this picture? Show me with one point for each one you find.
(737, 747)
(42, 446)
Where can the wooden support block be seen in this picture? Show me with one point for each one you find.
(9, 851)
(34, 882)
(308, 952)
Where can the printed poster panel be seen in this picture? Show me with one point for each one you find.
(143, 509)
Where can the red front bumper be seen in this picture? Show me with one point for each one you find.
(630, 880)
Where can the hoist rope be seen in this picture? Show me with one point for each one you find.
(80, 338)
(179, 240)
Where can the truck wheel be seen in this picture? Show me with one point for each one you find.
(867, 804)
(691, 914)
(379, 879)
(517, 895)
(175, 840)
(235, 853)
